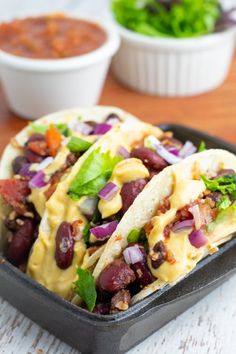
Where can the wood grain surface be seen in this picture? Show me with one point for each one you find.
(208, 327)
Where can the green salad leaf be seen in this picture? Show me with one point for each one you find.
(63, 129)
(85, 287)
(224, 203)
(224, 184)
(77, 145)
(181, 19)
(224, 215)
(93, 174)
(202, 146)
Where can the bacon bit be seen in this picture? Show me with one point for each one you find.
(53, 139)
(15, 143)
(38, 147)
(163, 207)
(14, 193)
(170, 257)
(119, 237)
(76, 227)
(148, 227)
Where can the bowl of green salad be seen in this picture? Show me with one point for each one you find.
(173, 48)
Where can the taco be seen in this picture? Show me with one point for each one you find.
(182, 215)
(87, 205)
(37, 159)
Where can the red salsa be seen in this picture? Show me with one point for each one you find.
(50, 37)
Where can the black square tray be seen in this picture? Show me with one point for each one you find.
(92, 333)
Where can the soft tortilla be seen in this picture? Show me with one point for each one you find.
(145, 205)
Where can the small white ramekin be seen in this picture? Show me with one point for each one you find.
(35, 87)
(173, 67)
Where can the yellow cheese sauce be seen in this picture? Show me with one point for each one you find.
(125, 171)
(42, 265)
(186, 256)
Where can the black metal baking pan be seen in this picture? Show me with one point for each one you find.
(92, 333)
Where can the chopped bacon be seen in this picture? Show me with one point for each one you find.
(163, 207)
(14, 193)
(38, 147)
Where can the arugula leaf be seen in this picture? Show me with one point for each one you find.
(78, 145)
(38, 128)
(202, 146)
(85, 287)
(224, 184)
(161, 18)
(133, 236)
(93, 174)
(224, 203)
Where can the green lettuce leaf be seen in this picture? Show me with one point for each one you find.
(38, 128)
(226, 214)
(224, 203)
(63, 129)
(77, 145)
(85, 287)
(93, 174)
(224, 184)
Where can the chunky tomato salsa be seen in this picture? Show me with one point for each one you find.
(50, 37)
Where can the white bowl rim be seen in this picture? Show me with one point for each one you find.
(107, 50)
(175, 43)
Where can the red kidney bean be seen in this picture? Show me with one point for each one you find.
(115, 276)
(150, 158)
(143, 274)
(36, 137)
(18, 163)
(22, 240)
(120, 301)
(64, 245)
(130, 191)
(160, 254)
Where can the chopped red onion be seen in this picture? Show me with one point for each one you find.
(113, 120)
(82, 127)
(102, 128)
(108, 191)
(197, 238)
(173, 150)
(133, 254)
(88, 206)
(182, 225)
(166, 155)
(123, 152)
(26, 172)
(45, 163)
(195, 211)
(104, 231)
(38, 180)
(187, 150)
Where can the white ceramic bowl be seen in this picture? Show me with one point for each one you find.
(173, 67)
(35, 87)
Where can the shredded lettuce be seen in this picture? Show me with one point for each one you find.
(42, 128)
(228, 213)
(181, 19)
(224, 184)
(85, 287)
(224, 203)
(93, 174)
(77, 145)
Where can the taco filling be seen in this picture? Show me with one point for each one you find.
(45, 158)
(187, 225)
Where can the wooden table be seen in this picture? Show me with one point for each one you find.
(209, 326)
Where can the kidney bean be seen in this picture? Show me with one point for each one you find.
(36, 137)
(115, 276)
(130, 191)
(32, 157)
(22, 240)
(143, 274)
(17, 164)
(120, 301)
(64, 246)
(159, 254)
(150, 158)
